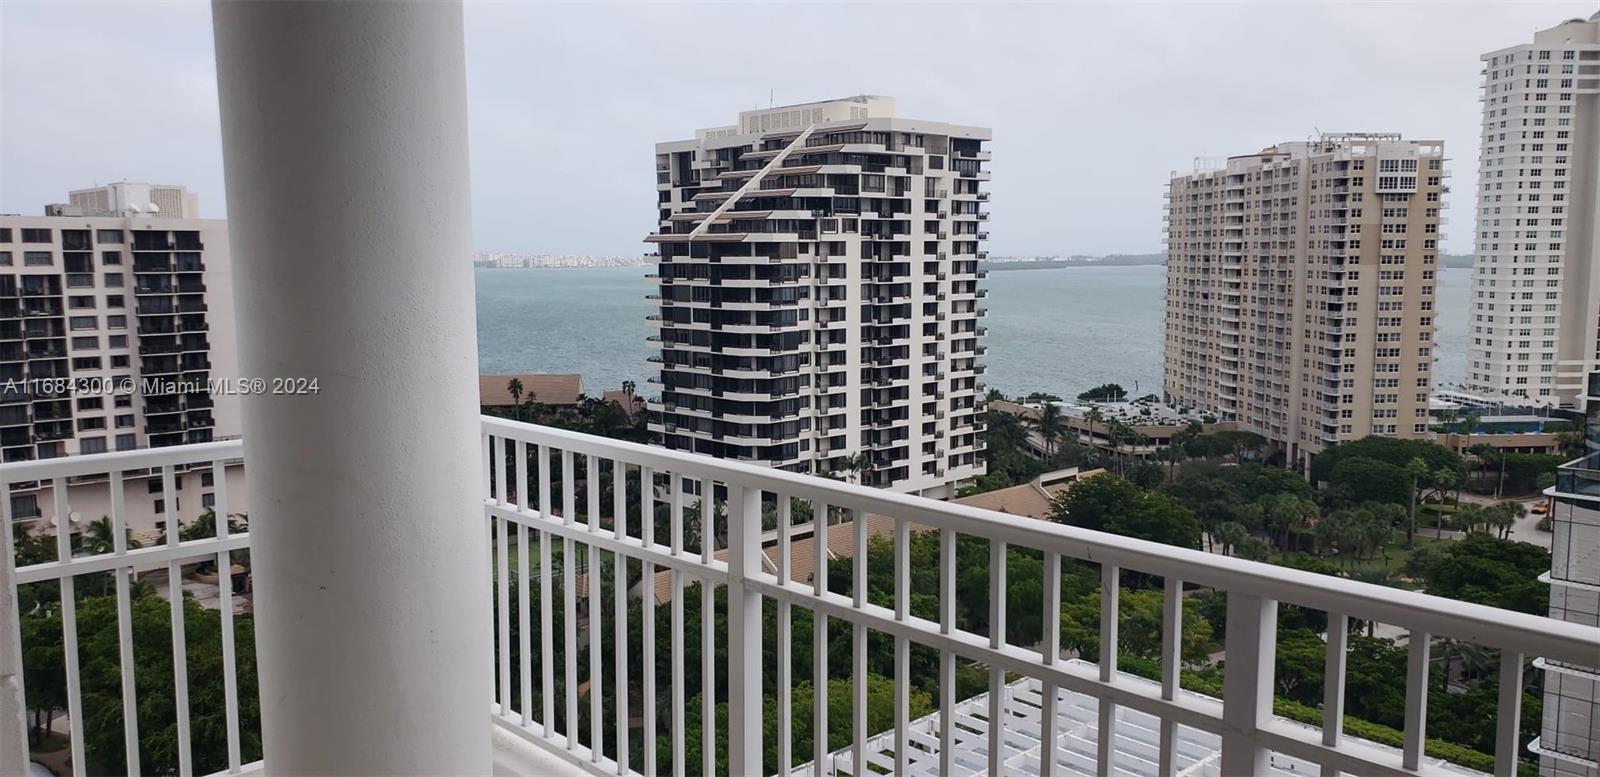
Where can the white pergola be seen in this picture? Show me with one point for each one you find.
(1137, 741)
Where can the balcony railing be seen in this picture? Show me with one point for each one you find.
(588, 534)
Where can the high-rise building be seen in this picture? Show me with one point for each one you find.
(1300, 288)
(111, 331)
(1535, 306)
(1569, 735)
(819, 293)
(110, 328)
(137, 199)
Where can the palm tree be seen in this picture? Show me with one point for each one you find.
(1418, 469)
(859, 466)
(1466, 518)
(1092, 417)
(1050, 426)
(1118, 432)
(1505, 515)
(1230, 534)
(1178, 446)
(515, 389)
(1285, 512)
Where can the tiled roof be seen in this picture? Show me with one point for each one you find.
(547, 388)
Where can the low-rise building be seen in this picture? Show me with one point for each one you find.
(1151, 426)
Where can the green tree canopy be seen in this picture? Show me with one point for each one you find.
(1105, 392)
(1357, 479)
(1391, 450)
(1491, 571)
(1113, 504)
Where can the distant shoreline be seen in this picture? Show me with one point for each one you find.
(565, 267)
(1056, 264)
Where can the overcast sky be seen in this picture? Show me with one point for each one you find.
(1092, 106)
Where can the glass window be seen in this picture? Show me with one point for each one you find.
(116, 322)
(92, 444)
(113, 280)
(108, 236)
(32, 235)
(37, 258)
(85, 322)
(111, 257)
(126, 442)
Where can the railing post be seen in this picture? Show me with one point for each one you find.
(744, 632)
(13, 718)
(1247, 681)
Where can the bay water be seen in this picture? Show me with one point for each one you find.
(1060, 330)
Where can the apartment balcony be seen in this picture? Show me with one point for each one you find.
(443, 593)
(543, 499)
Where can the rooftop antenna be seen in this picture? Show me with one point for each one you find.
(769, 98)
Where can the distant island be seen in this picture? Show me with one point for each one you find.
(1132, 260)
(506, 260)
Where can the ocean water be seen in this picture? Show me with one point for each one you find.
(1060, 331)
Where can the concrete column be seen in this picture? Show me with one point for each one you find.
(345, 144)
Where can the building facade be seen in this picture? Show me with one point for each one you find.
(136, 199)
(1300, 288)
(1535, 305)
(113, 331)
(819, 293)
(1569, 737)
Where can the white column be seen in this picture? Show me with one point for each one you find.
(344, 138)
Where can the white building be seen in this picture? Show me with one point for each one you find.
(819, 292)
(124, 198)
(112, 331)
(1536, 279)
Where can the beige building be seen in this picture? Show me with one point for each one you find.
(818, 292)
(1535, 305)
(115, 334)
(1300, 288)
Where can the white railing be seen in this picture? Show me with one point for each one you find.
(572, 646)
(112, 471)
